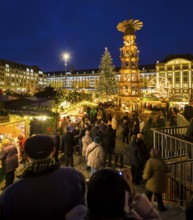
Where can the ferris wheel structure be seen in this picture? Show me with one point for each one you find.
(159, 86)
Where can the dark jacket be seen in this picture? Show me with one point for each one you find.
(68, 143)
(125, 127)
(94, 132)
(56, 139)
(9, 157)
(49, 196)
(109, 139)
(134, 154)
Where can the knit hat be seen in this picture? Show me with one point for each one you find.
(97, 139)
(5, 142)
(39, 147)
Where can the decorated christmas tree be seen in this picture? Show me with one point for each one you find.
(107, 82)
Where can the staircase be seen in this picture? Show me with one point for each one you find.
(177, 151)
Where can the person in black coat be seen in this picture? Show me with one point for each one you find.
(82, 131)
(125, 129)
(135, 160)
(56, 139)
(109, 143)
(94, 131)
(68, 147)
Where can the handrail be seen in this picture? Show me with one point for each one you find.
(179, 182)
(177, 151)
(178, 162)
(171, 142)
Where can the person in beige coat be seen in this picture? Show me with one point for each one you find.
(155, 176)
(95, 155)
(86, 140)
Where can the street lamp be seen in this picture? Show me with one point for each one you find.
(66, 57)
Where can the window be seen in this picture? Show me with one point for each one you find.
(177, 67)
(185, 73)
(169, 68)
(169, 74)
(185, 67)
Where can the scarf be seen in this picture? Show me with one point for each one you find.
(41, 167)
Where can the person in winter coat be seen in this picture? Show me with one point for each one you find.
(135, 160)
(82, 131)
(46, 190)
(68, 147)
(95, 155)
(56, 139)
(94, 131)
(125, 129)
(109, 144)
(21, 141)
(114, 123)
(86, 140)
(143, 148)
(155, 176)
(9, 161)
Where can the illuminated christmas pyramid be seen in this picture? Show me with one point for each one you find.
(129, 84)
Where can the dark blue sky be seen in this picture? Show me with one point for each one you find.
(37, 32)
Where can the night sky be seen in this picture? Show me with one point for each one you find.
(37, 32)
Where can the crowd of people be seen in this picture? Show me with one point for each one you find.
(47, 190)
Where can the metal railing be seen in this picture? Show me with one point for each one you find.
(177, 151)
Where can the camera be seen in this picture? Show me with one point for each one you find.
(121, 173)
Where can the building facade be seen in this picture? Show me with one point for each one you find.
(20, 78)
(81, 80)
(179, 72)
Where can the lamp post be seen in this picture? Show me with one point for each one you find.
(66, 57)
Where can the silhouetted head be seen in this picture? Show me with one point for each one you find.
(106, 194)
